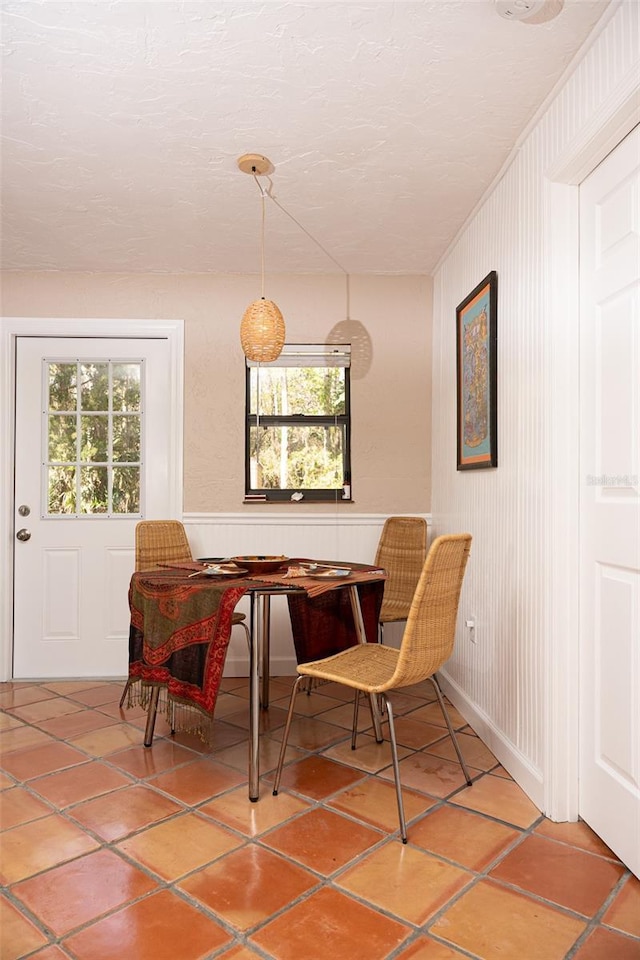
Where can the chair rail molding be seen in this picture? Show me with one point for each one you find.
(294, 516)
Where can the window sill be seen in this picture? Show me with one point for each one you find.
(253, 501)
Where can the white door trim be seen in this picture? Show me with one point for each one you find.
(615, 118)
(13, 327)
(561, 636)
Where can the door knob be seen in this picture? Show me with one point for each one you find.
(23, 534)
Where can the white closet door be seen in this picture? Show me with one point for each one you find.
(610, 500)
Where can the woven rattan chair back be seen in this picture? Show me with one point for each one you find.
(431, 625)
(402, 549)
(160, 541)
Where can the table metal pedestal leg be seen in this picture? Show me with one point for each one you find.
(265, 652)
(254, 698)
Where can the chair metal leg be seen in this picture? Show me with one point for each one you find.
(436, 687)
(285, 737)
(361, 635)
(354, 729)
(375, 718)
(151, 716)
(246, 630)
(396, 767)
(124, 693)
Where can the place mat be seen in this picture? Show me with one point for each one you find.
(315, 588)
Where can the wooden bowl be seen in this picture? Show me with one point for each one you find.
(261, 564)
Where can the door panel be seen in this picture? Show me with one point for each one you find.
(610, 500)
(72, 574)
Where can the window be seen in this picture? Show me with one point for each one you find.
(298, 424)
(93, 431)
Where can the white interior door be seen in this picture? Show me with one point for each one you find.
(92, 452)
(610, 500)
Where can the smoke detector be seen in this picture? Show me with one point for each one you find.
(531, 11)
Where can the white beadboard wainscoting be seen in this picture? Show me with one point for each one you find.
(517, 684)
(330, 536)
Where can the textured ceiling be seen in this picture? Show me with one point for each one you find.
(386, 122)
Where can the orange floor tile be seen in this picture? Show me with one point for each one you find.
(110, 851)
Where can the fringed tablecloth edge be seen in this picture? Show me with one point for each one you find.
(184, 715)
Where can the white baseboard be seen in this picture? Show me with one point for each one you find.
(523, 772)
(238, 666)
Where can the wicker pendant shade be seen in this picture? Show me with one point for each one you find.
(262, 331)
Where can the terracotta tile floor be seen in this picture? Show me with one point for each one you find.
(110, 851)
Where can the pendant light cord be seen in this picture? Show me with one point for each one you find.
(263, 194)
(310, 235)
(262, 248)
(268, 193)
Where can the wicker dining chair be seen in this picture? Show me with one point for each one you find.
(427, 644)
(402, 549)
(161, 541)
(165, 541)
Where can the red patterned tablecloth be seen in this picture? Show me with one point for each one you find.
(181, 627)
(179, 635)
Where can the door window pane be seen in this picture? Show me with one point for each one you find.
(94, 386)
(126, 489)
(61, 490)
(94, 490)
(126, 386)
(93, 428)
(62, 386)
(62, 438)
(126, 439)
(95, 439)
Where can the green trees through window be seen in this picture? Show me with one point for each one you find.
(298, 427)
(93, 430)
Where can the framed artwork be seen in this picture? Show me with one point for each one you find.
(477, 376)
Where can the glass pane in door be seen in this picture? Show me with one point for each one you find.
(93, 438)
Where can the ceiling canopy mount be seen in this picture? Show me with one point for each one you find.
(255, 164)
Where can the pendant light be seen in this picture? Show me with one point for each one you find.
(262, 329)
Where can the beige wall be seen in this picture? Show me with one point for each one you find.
(387, 320)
